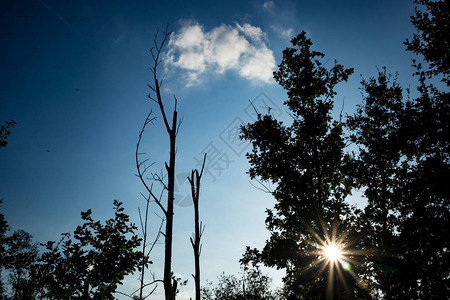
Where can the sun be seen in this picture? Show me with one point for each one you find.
(334, 257)
(332, 252)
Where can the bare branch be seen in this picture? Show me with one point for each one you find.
(121, 293)
(160, 179)
(156, 88)
(179, 125)
(257, 112)
(152, 88)
(145, 285)
(203, 165)
(342, 109)
(157, 236)
(140, 219)
(140, 174)
(151, 292)
(265, 189)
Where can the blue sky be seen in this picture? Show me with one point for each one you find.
(74, 77)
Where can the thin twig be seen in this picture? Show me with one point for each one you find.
(148, 120)
(265, 189)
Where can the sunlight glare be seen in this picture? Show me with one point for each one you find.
(332, 252)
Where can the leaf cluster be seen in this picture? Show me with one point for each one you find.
(95, 261)
(5, 131)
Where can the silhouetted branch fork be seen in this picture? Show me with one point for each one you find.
(140, 174)
(156, 52)
(145, 285)
(157, 236)
(265, 189)
(144, 161)
(180, 121)
(143, 196)
(151, 98)
(160, 179)
(146, 168)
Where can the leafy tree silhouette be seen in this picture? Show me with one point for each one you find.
(94, 262)
(431, 41)
(18, 256)
(306, 161)
(252, 286)
(376, 129)
(21, 256)
(403, 165)
(400, 241)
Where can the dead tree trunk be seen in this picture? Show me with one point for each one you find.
(170, 291)
(172, 131)
(194, 181)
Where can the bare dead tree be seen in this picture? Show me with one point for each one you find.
(172, 128)
(194, 181)
(146, 246)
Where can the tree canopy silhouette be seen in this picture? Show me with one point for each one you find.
(94, 262)
(307, 163)
(397, 247)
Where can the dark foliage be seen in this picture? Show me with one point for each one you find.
(94, 262)
(306, 160)
(402, 164)
(432, 40)
(5, 131)
(18, 255)
(252, 286)
(399, 242)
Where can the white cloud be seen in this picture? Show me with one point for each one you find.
(255, 68)
(254, 33)
(269, 5)
(189, 37)
(239, 48)
(226, 47)
(284, 33)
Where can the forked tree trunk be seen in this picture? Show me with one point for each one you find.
(194, 181)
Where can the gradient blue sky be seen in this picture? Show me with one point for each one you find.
(51, 48)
